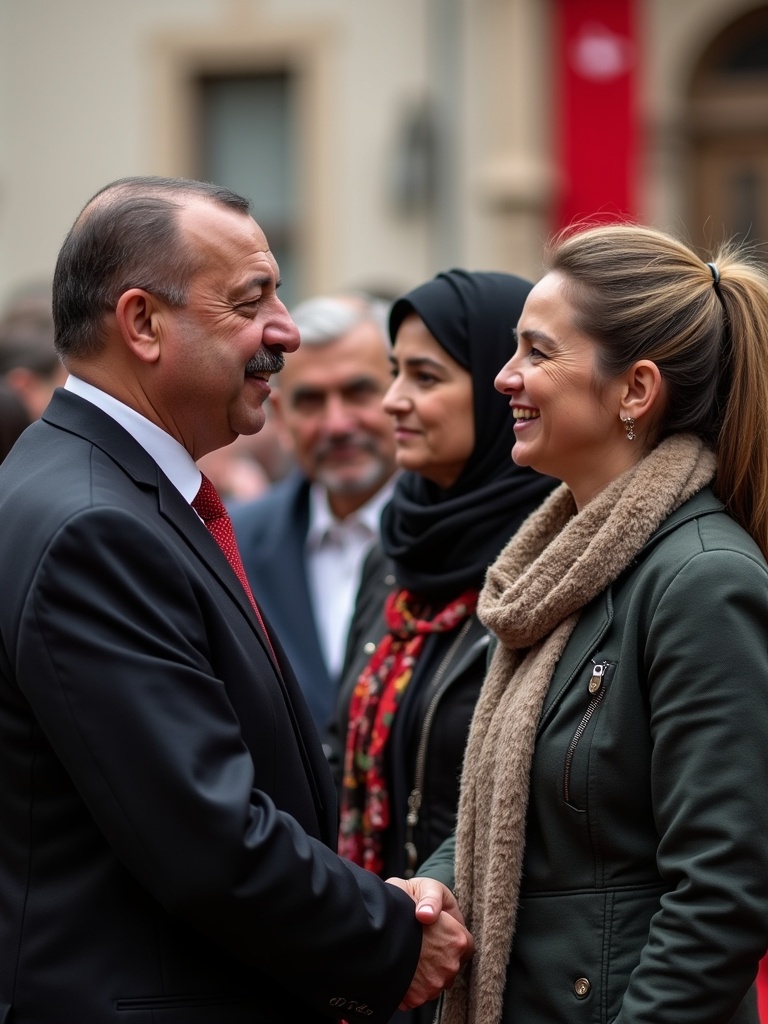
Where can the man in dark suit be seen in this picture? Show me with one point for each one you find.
(304, 542)
(167, 814)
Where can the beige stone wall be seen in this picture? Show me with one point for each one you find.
(91, 90)
(675, 33)
(95, 89)
(509, 156)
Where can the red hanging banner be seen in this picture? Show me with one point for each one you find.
(762, 991)
(598, 119)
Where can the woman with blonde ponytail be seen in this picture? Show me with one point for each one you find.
(611, 850)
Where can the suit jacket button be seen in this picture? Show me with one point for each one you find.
(582, 987)
(370, 647)
(389, 579)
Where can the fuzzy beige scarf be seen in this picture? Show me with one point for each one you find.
(555, 565)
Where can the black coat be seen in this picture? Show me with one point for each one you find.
(167, 811)
(429, 732)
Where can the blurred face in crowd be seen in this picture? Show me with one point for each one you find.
(431, 403)
(35, 389)
(329, 401)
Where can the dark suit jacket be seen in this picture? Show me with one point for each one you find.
(271, 533)
(166, 808)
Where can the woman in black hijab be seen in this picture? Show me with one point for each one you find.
(405, 708)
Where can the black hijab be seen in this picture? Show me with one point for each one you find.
(442, 540)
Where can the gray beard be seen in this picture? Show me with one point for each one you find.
(375, 476)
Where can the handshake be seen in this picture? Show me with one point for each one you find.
(447, 945)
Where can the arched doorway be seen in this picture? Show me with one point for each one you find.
(728, 133)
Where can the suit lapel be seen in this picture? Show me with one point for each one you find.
(77, 416)
(177, 512)
(282, 570)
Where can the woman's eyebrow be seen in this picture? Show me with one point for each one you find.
(416, 361)
(535, 335)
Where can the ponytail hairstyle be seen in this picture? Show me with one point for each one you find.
(642, 294)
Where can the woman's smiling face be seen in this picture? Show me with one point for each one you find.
(567, 416)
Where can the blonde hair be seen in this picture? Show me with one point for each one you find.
(642, 294)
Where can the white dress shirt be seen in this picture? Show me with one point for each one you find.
(335, 550)
(171, 456)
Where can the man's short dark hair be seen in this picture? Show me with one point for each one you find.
(126, 236)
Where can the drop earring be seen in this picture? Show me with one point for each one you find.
(629, 426)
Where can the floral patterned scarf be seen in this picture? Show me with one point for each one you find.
(365, 806)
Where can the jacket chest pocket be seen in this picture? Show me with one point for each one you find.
(577, 755)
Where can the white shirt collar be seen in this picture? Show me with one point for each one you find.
(365, 519)
(172, 457)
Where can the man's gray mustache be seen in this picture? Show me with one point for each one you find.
(265, 361)
(362, 442)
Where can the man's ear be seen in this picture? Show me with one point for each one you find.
(643, 392)
(138, 319)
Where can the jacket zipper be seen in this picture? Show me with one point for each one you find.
(596, 688)
(414, 800)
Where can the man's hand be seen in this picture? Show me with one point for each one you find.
(446, 946)
(431, 897)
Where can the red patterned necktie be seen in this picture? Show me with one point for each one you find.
(211, 510)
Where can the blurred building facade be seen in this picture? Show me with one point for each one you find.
(381, 142)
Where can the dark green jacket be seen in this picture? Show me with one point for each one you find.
(644, 897)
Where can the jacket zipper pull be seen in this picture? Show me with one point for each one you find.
(598, 671)
(414, 805)
(412, 820)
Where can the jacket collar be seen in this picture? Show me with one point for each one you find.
(82, 418)
(597, 617)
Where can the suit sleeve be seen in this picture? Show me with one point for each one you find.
(115, 658)
(707, 672)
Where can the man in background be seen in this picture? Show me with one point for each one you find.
(29, 364)
(304, 542)
(14, 419)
